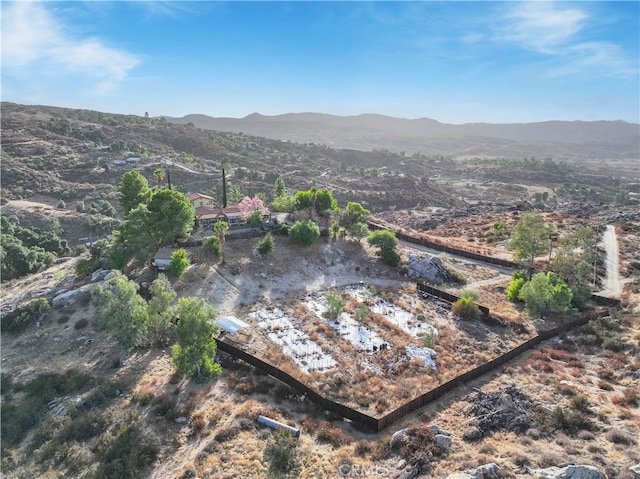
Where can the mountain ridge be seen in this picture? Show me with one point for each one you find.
(558, 138)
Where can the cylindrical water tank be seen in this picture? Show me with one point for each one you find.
(273, 424)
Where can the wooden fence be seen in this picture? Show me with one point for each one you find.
(448, 297)
(378, 424)
(445, 248)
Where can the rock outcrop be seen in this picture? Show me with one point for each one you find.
(428, 267)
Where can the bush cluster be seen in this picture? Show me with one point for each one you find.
(19, 319)
(25, 250)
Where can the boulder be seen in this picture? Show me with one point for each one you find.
(99, 275)
(66, 299)
(428, 267)
(636, 470)
(486, 471)
(442, 441)
(398, 438)
(569, 472)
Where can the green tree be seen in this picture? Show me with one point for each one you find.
(284, 204)
(133, 190)
(545, 294)
(499, 229)
(324, 202)
(304, 232)
(171, 216)
(254, 218)
(386, 242)
(213, 245)
(573, 262)
(80, 206)
(280, 189)
(335, 305)
(61, 205)
(358, 231)
(354, 220)
(136, 235)
(179, 262)
(530, 238)
(17, 260)
(195, 349)
(304, 200)
(518, 279)
(160, 307)
(622, 198)
(266, 244)
(122, 311)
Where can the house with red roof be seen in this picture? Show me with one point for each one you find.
(207, 215)
(198, 200)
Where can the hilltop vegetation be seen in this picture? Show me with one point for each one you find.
(93, 388)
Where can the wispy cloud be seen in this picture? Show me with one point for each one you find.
(606, 57)
(542, 26)
(32, 37)
(556, 32)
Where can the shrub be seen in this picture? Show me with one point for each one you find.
(428, 339)
(466, 308)
(569, 420)
(143, 398)
(304, 232)
(580, 403)
(470, 293)
(331, 434)
(80, 206)
(61, 205)
(514, 288)
(126, 454)
(336, 305)
(19, 319)
(179, 262)
(630, 398)
(266, 244)
(281, 453)
(618, 436)
(213, 245)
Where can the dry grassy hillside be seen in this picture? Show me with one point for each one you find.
(74, 405)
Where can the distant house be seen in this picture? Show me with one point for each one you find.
(162, 258)
(133, 160)
(207, 217)
(119, 162)
(198, 200)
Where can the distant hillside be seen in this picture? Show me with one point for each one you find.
(560, 139)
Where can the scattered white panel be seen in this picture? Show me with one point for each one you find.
(296, 344)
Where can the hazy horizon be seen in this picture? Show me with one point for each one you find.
(453, 62)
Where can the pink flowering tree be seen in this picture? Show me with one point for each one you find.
(251, 209)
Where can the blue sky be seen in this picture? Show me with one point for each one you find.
(456, 62)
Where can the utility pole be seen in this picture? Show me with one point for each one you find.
(595, 258)
(224, 189)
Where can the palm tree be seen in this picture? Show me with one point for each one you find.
(158, 175)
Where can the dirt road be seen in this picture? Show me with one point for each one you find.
(612, 281)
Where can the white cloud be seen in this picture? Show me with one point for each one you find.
(33, 38)
(606, 57)
(542, 26)
(557, 32)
